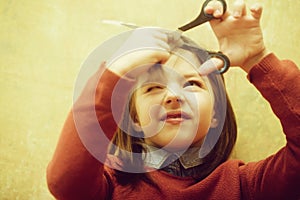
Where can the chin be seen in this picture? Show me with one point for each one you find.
(176, 146)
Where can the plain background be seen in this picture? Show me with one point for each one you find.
(43, 44)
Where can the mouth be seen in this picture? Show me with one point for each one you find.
(175, 117)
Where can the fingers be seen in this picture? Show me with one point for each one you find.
(256, 11)
(146, 37)
(239, 9)
(143, 46)
(162, 56)
(157, 40)
(160, 34)
(161, 40)
(210, 66)
(214, 8)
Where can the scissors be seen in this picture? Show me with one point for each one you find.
(201, 19)
(175, 36)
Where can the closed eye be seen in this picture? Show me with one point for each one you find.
(153, 88)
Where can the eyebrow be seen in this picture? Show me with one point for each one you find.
(158, 77)
(192, 75)
(196, 76)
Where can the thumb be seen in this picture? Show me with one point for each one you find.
(210, 66)
(163, 56)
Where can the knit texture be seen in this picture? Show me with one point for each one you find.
(75, 173)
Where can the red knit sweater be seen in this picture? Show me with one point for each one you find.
(74, 173)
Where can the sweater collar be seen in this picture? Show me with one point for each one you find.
(156, 158)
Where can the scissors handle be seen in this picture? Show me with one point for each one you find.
(202, 17)
(223, 57)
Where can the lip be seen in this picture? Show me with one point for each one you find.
(175, 117)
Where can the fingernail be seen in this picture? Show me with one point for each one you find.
(218, 13)
(203, 70)
(209, 66)
(237, 14)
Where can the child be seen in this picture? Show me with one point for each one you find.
(171, 110)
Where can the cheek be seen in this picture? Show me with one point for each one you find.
(203, 109)
(205, 106)
(201, 102)
(145, 115)
(148, 109)
(148, 113)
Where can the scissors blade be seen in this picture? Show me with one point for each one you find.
(198, 21)
(120, 23)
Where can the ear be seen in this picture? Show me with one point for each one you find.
(214, 121)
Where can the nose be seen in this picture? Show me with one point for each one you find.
(173, 100)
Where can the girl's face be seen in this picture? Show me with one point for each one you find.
(173, 104)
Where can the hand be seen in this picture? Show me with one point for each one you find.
(239, 34)
(143, 47)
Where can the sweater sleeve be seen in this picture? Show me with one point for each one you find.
(76, 170)
(278, 176)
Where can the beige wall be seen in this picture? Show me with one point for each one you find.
(42, 46)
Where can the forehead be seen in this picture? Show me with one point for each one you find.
(181, 66)
(184, 62)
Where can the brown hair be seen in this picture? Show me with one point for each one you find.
(127, 142)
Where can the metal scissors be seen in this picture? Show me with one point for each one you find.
(175, 36)
(202, 18)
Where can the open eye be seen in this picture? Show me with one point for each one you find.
(193, 83)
